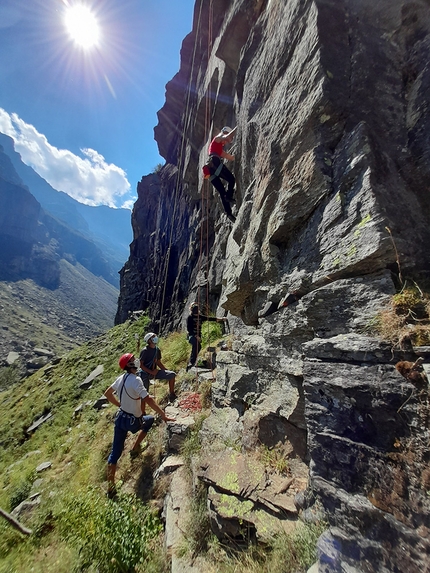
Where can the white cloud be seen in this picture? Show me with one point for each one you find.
(88, 179)
(129, 203)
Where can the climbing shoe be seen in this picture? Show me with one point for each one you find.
(134, 453)
(232, 218)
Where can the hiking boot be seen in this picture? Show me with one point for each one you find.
(135, 453)
(112, 492)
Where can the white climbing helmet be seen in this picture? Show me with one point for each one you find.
(226, 129)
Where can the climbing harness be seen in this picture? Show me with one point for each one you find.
(209, 166)
(129, 419)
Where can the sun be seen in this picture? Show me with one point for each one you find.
(82, 25)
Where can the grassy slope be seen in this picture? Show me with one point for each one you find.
(77, 447)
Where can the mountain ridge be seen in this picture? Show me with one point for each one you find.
(108, 228)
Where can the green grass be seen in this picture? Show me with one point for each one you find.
(175, 350)
(211, 332)
(192, 444)
(274, 458)
(293, 553)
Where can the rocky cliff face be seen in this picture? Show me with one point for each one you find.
(331, 102)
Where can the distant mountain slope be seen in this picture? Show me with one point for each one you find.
(82, 307)
(110, 229)
(32, 241)
(56, 285)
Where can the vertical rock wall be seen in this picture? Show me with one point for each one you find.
(331, 102)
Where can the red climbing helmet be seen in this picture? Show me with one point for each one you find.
(125, 360)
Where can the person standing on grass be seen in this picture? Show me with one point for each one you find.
(131, 397)
(152, 367)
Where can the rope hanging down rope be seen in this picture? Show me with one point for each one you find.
(181, 161)
(205, 187)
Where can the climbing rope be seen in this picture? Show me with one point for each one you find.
(204, 240)
(204, 228)
(180, 167)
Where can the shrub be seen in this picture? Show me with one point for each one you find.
(20, 492)
(157, 168)
(110, 536)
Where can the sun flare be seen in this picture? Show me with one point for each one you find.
(82, 25)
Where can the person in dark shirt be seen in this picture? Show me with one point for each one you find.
(194, 330)
(152, 367)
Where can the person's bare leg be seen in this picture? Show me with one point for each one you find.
(140, 437)
(111, 470)
(172, 385)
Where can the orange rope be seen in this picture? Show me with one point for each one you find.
(205, 188)
(180, 164)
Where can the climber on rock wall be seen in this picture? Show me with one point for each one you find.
(215, 169)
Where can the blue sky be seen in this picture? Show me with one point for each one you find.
(84, 118)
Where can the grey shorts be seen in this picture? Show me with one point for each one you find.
(161, 375)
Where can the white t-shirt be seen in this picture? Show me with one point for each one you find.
(130, 396)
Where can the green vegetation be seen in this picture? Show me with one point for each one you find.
(198, 536)
(74, 518)
(293, 553)
(158, 168)
(111, 536)
(274, 458)
(9, 375)
(175, 351)
(211, 332)
(192, 445)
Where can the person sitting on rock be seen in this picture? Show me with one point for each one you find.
(194, 330)
(131, 400)
(152, 367)
(215, 169)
